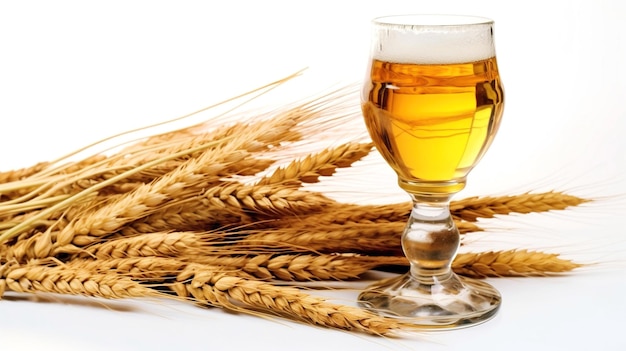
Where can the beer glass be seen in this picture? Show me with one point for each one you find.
(432, 102)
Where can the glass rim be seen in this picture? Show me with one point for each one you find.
(431, 20)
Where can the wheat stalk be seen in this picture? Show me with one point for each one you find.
(50, 169)
(77, 198)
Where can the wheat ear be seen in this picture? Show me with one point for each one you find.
(349, 237)
(19, 174)
(311, 167)
(299, 267)
(40, 277)
(470, 209)
(269, 200)
(511, 263)
(162, 244)
(252, 296)
(272, 195)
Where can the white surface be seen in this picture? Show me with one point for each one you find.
(74, 72)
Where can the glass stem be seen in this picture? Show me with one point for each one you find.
(431, 239)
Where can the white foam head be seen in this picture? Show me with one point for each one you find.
(432, 39)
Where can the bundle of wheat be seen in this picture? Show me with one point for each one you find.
(206, 214)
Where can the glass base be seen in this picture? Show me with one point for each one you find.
(450, 303)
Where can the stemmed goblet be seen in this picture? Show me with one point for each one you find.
(432, 103)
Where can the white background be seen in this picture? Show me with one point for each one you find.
(72, 72)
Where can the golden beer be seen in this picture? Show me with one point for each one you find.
(433, 122)
(432, 103)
